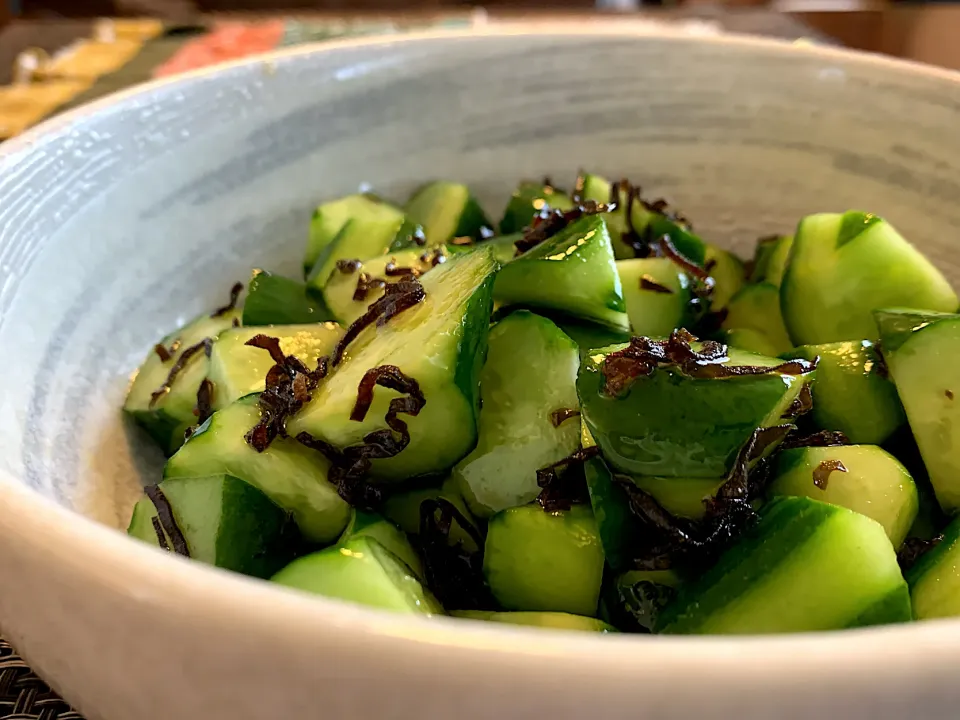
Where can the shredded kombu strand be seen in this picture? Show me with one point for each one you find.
(348, 267)
(558, 417)
(802, 404)
(549, 222)
(824, 438)
(166, 520)
(648, 283)
(161, 536)
(204, 408)
(821, 474)
(913, 549)
(452, 573)
(206, 345)
(643, 356)
(562, 483)
(365, 284)
(234, 296)
(289, 384)
(166, 354)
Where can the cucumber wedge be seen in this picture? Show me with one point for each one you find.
(757, 307)
(224, 521)
(540, 561)
(517, 433)
(361, 571)
(367, 524)
(923, 365)
(680, 496)
(446, 210)
(657, 294)
(935, 579)
(770, 260)
(237, 370)
(805, 566)
(292, 476)
(403, 509)
(550, 620)
(276, 300)
(441, 343)
(167, 419)
(572, 273)
(728, 273)
(750, 340)
(668, 424)
(329, 219)
(619, 529)
(843, 267)
(862, 478)
(529, 200)
(850, 392)
(589, 335)
(599, 189)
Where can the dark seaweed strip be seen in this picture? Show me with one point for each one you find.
(347, 472)
(453, 574)
(549, 222)
(821, 474)
(366, 283)
(558, 417)
(161, 536)
(434, 257)
(185, 357)
(824, 438)
(561, 487)
(648, 283)
(166, 519)
(880, 363)
(394, 270)
(166, 355)
(396, 298)
(204, 408)
(577, 194)
(234, 296)
(802, 404)
(348, 267)
(913, 549)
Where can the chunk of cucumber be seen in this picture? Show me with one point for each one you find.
(529, 200)
(750, 340)
(573, 273)
(668, 424)
(441, 343)
(540, 561)
(727, 272)
(862, 478)
(360, 571)
(657, 295)
(923, 366)
(843, 267)
(757, 307)
(328, 220)
(446, 210)
(237, 370)
(620, 531)
(368, 524)
(224, 521)
(517, 433)
(805, 566)
(341, 287)
(276, 300)
(680, 496)
(770, 260)
(935, 579)
(403, 509)
(851, 393)
(167, 419)
(550, 620)
(292, 476)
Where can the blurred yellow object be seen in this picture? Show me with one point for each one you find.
(23, 105)
(113, 29)
(90, 59)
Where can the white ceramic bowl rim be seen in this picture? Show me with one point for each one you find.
(126, 566)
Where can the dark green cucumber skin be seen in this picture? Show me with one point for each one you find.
(688, 244)
(894, 607)
(166, 431)
(854, 223)
(620, 530)
(520, 210)
(686, 412)
(409, 237)
(276, 300)
(897, 325)
(951, 536)
(472, 220)
(473, 344)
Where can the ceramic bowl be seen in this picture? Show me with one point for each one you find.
(125, 218)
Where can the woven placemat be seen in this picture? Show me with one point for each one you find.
(24, 696)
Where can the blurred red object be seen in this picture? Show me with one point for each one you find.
(227, 41)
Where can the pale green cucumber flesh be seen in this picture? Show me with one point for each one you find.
(339, 291)
(329, 219)
(446, 210)
(529, 200)
(657, 295)
(368, 524)
(727, 272)
(757, 307)
(935, 579)
(276, 300)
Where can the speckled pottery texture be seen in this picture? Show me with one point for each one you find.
(119, 221)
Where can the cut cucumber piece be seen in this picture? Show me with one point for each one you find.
(403, 508)
(364, 236)
(862, 478)
(168, 418)
(367, 524)
(632, 601)
(680, 496)
(621, 532)
(225, 522)
(598, 189)
(668, 424)
(657, 294)
(551, 620)
(770, 259)
(292, 476)
(573, 272)
(504, 247)
(728, 274)
(237, 370)
(529, 200)
(361, 571)
(329, 219)
(924, 368)
(850, 393)
(805, 566)
(338, 293)
(446, 210)
(517, 434)
(843, 267)
(757, 307)
(935, 579)
(440, 343)
(275, 300)
(750, 340)
(551, 562)
(587, 335)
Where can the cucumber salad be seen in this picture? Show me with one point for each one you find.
(586, 416)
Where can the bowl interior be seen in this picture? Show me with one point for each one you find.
(119, 224)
